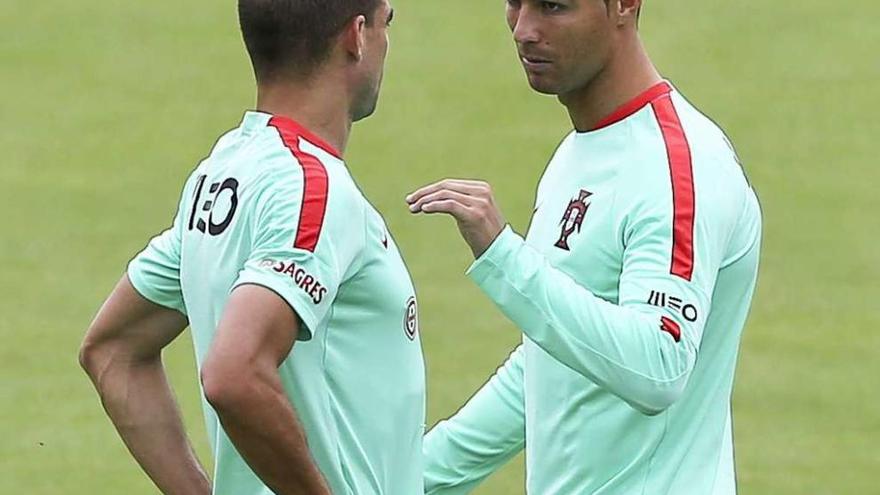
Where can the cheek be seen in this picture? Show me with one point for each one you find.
(381, 43)
(379, 60)
(588, 47)
(378, 52)
(512, 17)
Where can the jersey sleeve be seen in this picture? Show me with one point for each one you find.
(641, 348)
(303, 246)
(487, 432)
(155, 271)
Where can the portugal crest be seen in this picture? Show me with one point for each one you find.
(573, 219)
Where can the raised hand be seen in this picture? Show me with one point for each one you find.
(470, 202)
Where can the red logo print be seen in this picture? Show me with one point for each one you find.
(573, 219)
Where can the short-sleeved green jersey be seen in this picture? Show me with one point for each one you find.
(275, 206)
(632, 289)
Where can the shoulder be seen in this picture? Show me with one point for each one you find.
(281, 168)
(709, 145)
(720, 181)
(301, 180)
(683, 156)
(683, 173)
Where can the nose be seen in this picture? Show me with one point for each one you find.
(525, 29)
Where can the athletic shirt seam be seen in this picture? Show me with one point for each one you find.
(355, 267)
(650, 470)
(337, 458)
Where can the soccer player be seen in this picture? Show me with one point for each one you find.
(302, 312)
(631, 288)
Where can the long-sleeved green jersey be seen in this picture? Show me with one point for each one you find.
(632, 289)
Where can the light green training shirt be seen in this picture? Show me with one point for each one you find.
(631, 289)
(275, 206)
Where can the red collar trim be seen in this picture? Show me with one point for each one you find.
(291, 126)
(634, 105)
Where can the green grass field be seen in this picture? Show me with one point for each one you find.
(106, 106)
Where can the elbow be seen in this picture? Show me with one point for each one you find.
(653, 396)
(92, 355)
(225, 385)
(87, 357)
(657, 401)
(661, 386)
(105, 352)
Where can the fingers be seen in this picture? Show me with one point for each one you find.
(442, 195)
(470, 202)
(469, 187)
(448, 206)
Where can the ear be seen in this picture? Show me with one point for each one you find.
(353, 37)
(627, 11)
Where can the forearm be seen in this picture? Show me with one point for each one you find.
(619, 348)
(141, 405)
(486, 433)
(262, 424)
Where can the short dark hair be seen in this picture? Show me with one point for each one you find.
(293, 37)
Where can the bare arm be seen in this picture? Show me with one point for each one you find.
(122, 354)
(241, 381)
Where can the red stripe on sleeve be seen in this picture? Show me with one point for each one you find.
(671, 327)
(315, 189)
(681, 172)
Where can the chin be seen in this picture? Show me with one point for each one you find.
(543, 86)
(362, 116)
(365, 112)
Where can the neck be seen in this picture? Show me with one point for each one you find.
(315, 104)
(628, 74)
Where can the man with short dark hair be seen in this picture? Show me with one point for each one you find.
(631, 289)
(273, 245)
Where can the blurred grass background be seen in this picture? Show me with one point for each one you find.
(106, 106)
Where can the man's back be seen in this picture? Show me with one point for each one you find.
(276, 207)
